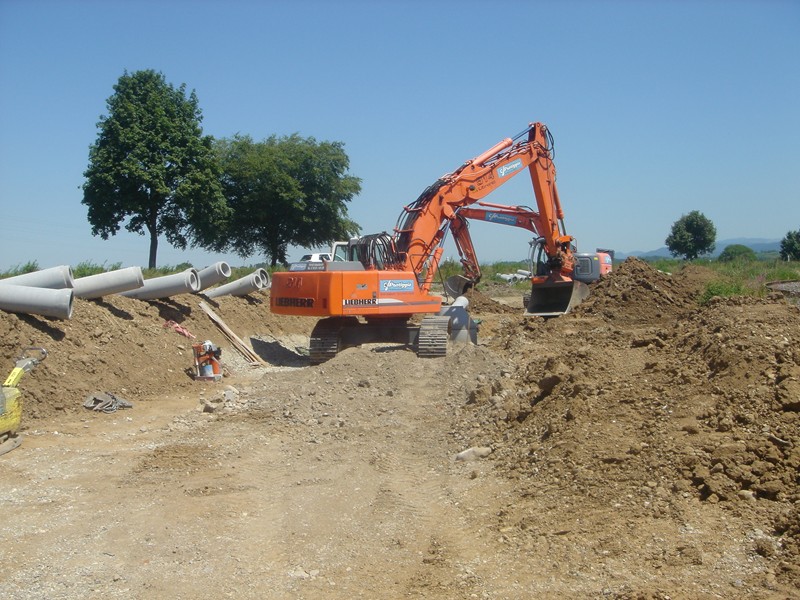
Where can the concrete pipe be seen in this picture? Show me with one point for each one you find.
(217, 272)
(462, 328)
(266, 283)
(54, 278)
(185, 282)
(112, 282)
(36, 301)
(461, 301)
(240, 287)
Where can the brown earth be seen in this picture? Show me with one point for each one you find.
(641, 447)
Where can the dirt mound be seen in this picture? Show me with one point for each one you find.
(622, 406)
(635, 292)
(483, 302)
(126, 346)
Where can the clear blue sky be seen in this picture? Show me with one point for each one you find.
(657, 108)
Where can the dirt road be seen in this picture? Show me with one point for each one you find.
(640, 448)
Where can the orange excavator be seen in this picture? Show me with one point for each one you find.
(588, 266)
(374, 296)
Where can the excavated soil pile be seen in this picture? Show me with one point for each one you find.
(481, 302)
(125, 346)
(640, 403)
(637, 293)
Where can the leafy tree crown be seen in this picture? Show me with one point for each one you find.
(152, 166)
(692, 235)
(285, 191)
(790, 246)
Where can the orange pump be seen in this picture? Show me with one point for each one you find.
(206, 361)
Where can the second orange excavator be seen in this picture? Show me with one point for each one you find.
(374, 296)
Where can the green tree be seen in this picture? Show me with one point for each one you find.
(284, 191)
(692, 235)
(152, 165)
(790, 246)
(736, 252)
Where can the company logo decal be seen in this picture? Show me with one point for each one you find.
(495, 217)
(296, 302)
(509, 168)
(359, 302)
(397, 285)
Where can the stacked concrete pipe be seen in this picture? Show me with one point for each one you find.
(215, 273)
(242, 286)
(54, 278)
(42, 301)
(111, 282)
(185, 282)
(266, 281)
(47, 292)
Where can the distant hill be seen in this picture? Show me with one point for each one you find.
(756, 244)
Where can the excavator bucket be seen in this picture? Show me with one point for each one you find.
(554, 298)
(457, 285)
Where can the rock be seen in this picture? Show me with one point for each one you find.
(474, 453)
(231, 394)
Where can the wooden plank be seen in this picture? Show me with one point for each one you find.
(243, 349)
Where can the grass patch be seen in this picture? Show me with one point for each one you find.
(747, 277)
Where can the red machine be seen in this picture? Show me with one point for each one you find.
(388, 281)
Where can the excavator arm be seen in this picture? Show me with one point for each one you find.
(561, 261)
(423, 225)
(553, 288)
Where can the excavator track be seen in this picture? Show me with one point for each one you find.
(434, 333)
(330, 336)
(324, 343)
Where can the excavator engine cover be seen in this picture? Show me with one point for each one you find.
(554, 298)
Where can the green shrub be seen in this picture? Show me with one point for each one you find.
(87, 267)
(28, 267)
(737, 252)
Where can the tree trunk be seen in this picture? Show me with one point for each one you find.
(152, 227)
(151, 264)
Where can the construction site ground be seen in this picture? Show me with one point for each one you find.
(641, 447)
